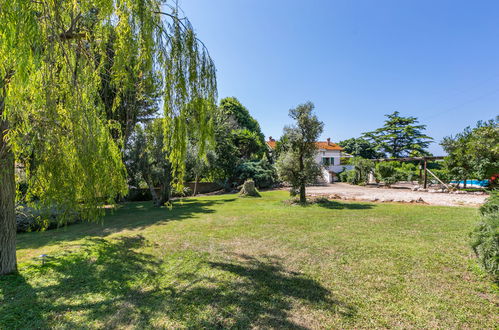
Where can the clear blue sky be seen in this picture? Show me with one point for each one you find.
(356, 60)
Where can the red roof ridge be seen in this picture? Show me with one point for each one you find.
(327, 145)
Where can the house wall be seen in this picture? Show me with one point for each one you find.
(335, 154)
(336, 167)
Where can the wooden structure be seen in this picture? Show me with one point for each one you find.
(424, 160)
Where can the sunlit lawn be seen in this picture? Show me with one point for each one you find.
(224, 261)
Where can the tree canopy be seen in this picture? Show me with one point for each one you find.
(400, 136)
(296, 163)
(53, 60)
(238, 139)
(361, 147)
(474, 153)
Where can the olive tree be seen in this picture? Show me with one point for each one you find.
(296, 163)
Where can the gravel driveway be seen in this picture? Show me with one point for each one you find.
(379, 194)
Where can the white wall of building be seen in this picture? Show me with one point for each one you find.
(335, 166)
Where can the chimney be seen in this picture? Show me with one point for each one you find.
(271, 139)
(328, 141)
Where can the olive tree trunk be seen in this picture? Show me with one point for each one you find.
(8, 262)
(303, 198)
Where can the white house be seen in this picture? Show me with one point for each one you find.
(329, 156)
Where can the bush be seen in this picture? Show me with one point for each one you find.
(260, 171)
(485, 243)
(29, 219)
(406, 172)
(347, 176)
(138, 195)
(362, 168)
(491, 205)
(360, 172)
(387, 172)
(485, 236)
(442, 174)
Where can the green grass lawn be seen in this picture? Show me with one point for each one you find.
(223, 261)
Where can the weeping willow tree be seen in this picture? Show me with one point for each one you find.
(53, 122)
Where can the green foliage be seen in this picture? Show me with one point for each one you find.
(361, 147)
(57, 60)
(296, 163)
(362, 168)
(349, 176)
(247, 143)
(400, 136)
(387, 173)
(473, 153)
(138, 100)
(147, 160)
(491, 205)
(485, 236)
(406, 171)
(486, 244)
(232, 108)
(198, 168)
(360, 173)
(443, 174)
(30, 219)
(260, 171)
(238, 139)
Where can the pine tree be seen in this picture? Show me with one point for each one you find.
(400, 136)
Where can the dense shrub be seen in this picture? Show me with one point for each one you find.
(347, 176)
(443, 174)
(262, 172)
(362, 168)
(485, 236)
(360, 172)
(406, 171)
(29, 219)
(492, 204)
(139, 195)
(387, 172)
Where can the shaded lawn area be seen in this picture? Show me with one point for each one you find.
(223, 261)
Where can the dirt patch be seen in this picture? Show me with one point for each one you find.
(378, 194)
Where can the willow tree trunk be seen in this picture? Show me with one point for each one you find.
(165, 190)
(7, 202)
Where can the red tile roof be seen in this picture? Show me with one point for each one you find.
(271, 144)
(328, 145)
(320, 145)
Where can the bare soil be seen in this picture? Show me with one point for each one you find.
(374, 193)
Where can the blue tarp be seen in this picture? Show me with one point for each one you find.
(481, 183)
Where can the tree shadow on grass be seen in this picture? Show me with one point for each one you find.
(135, 215)
(110, 284)
(19, 306)
(335, 205)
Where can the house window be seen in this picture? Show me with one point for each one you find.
(326, 161)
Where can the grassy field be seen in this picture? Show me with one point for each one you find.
(224, 261)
